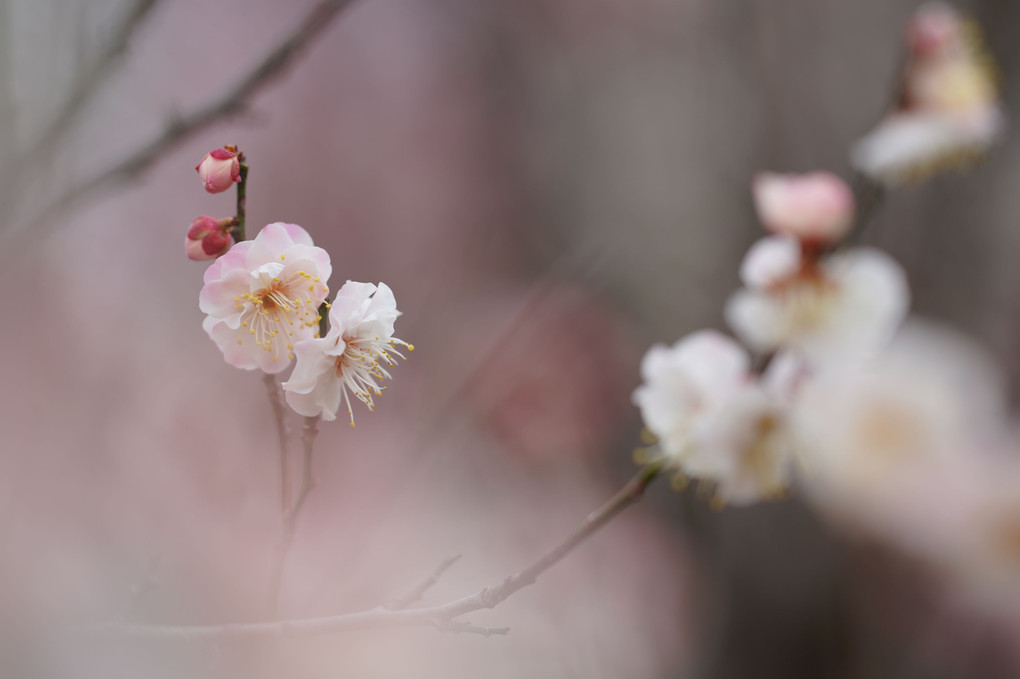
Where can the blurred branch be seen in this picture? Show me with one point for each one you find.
(233, 101)
(419, 591)
(87, 84)
(442, 616)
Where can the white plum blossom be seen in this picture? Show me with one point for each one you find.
(949, 110)
(351, 357)
(263, 296)
(895, 447)
(816, 208)
(714, 420)
(985, 559)
(841, 307)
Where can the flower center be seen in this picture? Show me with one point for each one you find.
(276, 310)
(363, 362)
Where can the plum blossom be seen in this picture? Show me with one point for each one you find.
(220, 169)
(263, 296)
(354, 353)
(949, 110)
(714, 420)
(985, 559)
(843, 306)
(897, 447)
(815, 208)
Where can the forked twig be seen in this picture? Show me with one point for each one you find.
(443, 616)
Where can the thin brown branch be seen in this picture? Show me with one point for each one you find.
(443, 616)
(233, 101)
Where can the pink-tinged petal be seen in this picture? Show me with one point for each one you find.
(297, 234)
(315, 260)
(233, 260)
(817, 207)
(271, 242)
(222, 298)
(237, 354)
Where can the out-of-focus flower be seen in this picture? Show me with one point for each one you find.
(263, 296)
(220, 169)
(714, 420)
(949, 110)
(985, 561)
(843, 306)
(208, 238)
(893, 447)
(352, 355)
(815, 208)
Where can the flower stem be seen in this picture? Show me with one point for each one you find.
(242, 197)
(309, 431)
(275, 394)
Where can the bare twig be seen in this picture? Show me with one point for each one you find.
(419, 590)
(233, 101)
(309, 431)
(443, 616)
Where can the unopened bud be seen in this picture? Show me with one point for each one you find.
(814, 208)
(934, 29)
(220, 169)
(208, 238)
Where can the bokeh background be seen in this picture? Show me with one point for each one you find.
(550, 187)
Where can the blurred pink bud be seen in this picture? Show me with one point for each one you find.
(933, 29)
(208, 238)
(815, 208)
(220, 169)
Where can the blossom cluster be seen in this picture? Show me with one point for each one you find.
(948, 111)
(265, 301)
(890, 426)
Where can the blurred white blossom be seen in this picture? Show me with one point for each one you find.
(715, 421)
(893, 447)
(843, 306)
(949, 109)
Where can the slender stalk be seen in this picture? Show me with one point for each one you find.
(275, 393)
(443, 616)
(242, 200)
(309, 431)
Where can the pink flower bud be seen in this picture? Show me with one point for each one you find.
(816, 208)
(934, 29)
(219, 169)
(208, 238)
